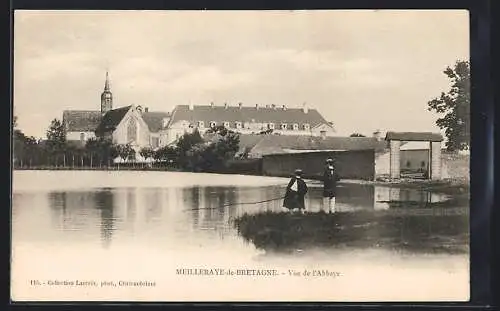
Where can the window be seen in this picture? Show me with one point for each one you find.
(306, 127)
(213, 124)
(82, 136)
(271, 126)
(422, 164)
(201, 124)
(226, 124)
(132, 130)
(408, 163)
(238, 125)
(295, 126)
(283, 126)
(155, 141)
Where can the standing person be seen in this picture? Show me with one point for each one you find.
(330, 179)
(295, 192)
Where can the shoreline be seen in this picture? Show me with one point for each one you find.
(461, 185)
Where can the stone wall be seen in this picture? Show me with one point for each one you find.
(455, 166)
(359, 164)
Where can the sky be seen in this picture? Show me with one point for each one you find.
(362, 70)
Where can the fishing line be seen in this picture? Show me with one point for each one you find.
(240, 203)
(234, 204)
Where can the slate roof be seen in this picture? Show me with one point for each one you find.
(154, 120)
(246, 140)
(111, 119)
(274, 144)
(232, 114)
(81, 120)
(414, 136)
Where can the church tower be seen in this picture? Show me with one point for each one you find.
(106, 97)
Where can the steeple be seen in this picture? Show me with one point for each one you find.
(106, 83)
(106, 97)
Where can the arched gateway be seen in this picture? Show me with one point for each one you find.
(434, 139)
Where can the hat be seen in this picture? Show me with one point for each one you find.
(298, 172)
(329, 160)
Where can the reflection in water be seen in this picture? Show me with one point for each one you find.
(387, 197)
(153, 204)
(146, 227)
(184, 215)
(72, 211)
(104, 203)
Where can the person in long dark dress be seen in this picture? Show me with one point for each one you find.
(330, 178)
(295, 193)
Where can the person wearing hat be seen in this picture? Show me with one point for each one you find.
(330, 179)
(295, 192)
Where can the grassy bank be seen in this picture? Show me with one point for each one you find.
(426, 232)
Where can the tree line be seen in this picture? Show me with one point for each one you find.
(193, 153)
(190, 153)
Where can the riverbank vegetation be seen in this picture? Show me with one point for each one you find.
(190, 153)
(430, 231)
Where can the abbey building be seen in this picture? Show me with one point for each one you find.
(139, 127)
(124, 125)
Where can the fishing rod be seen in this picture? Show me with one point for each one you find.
(239, 203)
(234, 204)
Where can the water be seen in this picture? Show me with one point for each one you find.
(132, 226)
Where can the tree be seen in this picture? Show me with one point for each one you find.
(213, 157)
(125, 152)
(455, 105)
(56, 137)
(147, 152)
(188, 140)
(220, 130)
(101, 148)
(357, 135)
(166, 153)
(265, 132)
(185, 143)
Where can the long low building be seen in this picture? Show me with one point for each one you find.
(357, 157)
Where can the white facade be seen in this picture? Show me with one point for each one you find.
(80, 136)
(176, 130)
(132, 130)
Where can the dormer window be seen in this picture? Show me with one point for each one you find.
(213, 124)
(201, 124)
(306, 127)
(237, 124)
(226, 124)
(271, 126)
(283, 126)
(295, 126)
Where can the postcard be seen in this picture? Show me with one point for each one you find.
(177, 156)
